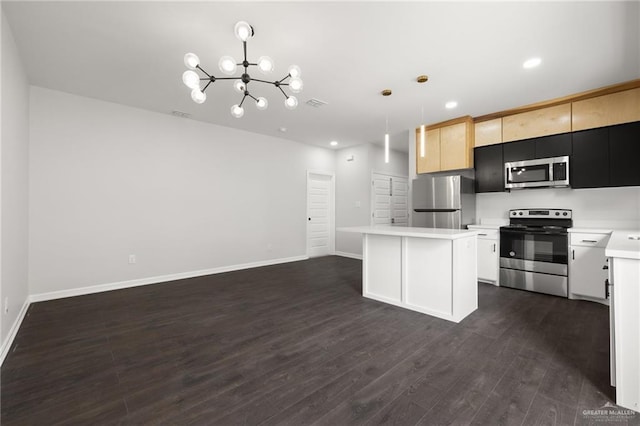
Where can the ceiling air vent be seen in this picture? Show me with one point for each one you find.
(181, 114)
(316, 103)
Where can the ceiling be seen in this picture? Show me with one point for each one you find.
(132, 53)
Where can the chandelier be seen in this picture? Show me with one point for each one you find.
(229, 66)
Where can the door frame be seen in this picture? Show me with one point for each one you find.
(372, 194)
(332, 210)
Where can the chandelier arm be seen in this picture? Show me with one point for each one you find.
(244, 48)
(283, 92)
(285, 77)
(242, 101)
(205, 87)
(206, 73)
(263, 81)
(228, 78)
(252, 97)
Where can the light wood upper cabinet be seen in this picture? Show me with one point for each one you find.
(540, 122)
(607, 110)
(431, 160)
(488, 132)
(447, 146)
(454, 147)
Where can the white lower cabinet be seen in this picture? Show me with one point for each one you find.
(488, 254)
(586, 260)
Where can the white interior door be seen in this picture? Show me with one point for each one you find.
(399, 201)
(381, 199)
(389, 200)
(320, 212)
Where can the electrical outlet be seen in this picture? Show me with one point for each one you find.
(6, 305)
(132, 259)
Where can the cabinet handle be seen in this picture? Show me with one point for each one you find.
(606, 289)
(589, 241)
(482, 235)
(494, 248)
(573, 255)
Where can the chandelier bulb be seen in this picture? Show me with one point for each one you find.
(262, 103)
(291, 102)
(265, 64)
(191, 60)
(198, 96)
(227, 65)
(295, 84)
(294, 71)
(237, 111)
(191, 79)
(243, 31)
(239, 86)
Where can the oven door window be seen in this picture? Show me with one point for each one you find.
(534, 246)
(524, 174)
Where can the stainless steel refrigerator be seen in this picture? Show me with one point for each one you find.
(443, 202)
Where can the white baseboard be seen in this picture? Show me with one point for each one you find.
(41, 297)
(351, 255)
(6, 345)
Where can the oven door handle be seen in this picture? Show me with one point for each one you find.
(530, 231)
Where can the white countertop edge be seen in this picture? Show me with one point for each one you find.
(403, 231)
(590, 230)
(485, 226)
(621, 246)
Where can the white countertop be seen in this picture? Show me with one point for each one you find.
(591, 230)
(485, 226)
(403, 231)
(621, 246)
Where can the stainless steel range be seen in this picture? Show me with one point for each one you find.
(534, 250)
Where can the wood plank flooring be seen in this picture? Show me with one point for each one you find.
(296, 344)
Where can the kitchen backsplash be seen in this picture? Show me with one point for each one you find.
(617, 208)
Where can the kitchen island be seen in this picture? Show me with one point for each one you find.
(432, 271)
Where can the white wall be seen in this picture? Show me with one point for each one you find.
(14, 148)
(108, 181)
(353, 189)
(601, 207)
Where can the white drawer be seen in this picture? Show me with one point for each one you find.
(589, 239)
(488, 234)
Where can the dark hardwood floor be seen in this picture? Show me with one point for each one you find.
(296, 344)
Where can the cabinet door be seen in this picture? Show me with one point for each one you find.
(624, 154)
(606, 110)
(488, 132)
(540, 122)
(553, 146)
(431, 161)
(487, 260)
(454, 147)
(519, 151)
(589, 165)
(489, 168)
(586, 276)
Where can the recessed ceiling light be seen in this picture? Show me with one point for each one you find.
(333, 143)
(283, 129)
(451, 104)
(531, 63)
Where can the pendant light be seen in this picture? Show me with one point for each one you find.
(386, 142)
(422, 135)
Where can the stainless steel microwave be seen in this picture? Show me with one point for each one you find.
(543, 172)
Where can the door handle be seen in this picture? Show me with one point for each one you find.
(573, 255)
(494, 247)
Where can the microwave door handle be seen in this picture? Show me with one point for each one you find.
(551, 179)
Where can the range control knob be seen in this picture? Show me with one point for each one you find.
(557, 213)
(520, 213)
(514, 213)
(564, 214)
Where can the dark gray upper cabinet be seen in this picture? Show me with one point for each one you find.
(519, 151)
(589, 165)
(489, 167)
(624, 154)
(553, 146)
